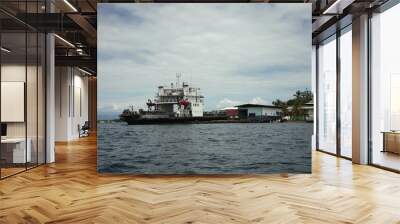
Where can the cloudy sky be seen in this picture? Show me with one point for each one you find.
(236, 53)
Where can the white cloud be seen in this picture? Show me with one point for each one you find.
(258, 100)
(227, 103)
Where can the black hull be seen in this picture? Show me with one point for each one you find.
(175, 120)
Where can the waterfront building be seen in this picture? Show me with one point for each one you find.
(258, 111)
(307, 112)
(231, 112)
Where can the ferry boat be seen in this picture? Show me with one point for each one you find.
(177, 103)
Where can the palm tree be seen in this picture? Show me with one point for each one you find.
(297, 109)
(277, 102)
(284, 109)
(298, 94)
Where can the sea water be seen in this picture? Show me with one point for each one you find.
(232, 148)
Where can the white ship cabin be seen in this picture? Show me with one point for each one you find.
(184, 101)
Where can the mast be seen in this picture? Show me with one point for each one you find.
(178, 77)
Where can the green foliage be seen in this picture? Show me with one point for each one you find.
(299, 99)
(282, 104)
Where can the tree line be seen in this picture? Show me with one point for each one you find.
(300, 98)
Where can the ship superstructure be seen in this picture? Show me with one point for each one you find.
(176, 100)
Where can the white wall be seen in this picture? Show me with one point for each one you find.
(71, 102)
(197, 111)
(254, 110)
(14, 72)
(17, 73)
(261, 111)
(34, 124)
(9, 73)
(80, 105)
(271, 111)
(62, 81)
(12, 101)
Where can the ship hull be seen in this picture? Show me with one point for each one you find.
(174, 120)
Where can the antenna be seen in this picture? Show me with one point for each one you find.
(178, 76)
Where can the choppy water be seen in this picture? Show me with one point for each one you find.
(205, 148)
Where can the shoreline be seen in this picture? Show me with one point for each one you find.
(148, 122)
